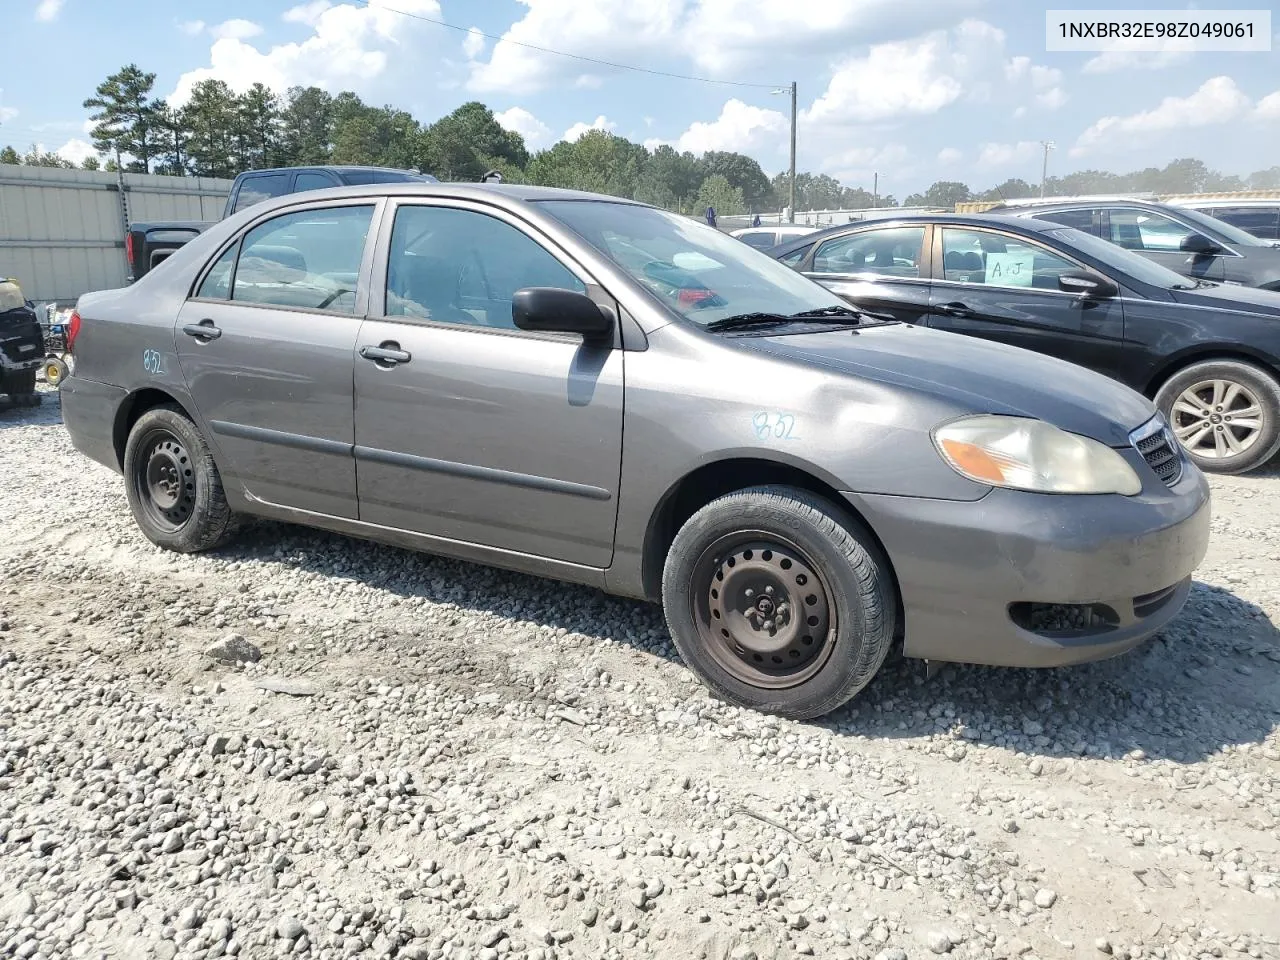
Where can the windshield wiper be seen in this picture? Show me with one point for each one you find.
(742, 321)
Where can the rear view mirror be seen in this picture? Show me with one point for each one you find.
(1092, 286)
(553, 310)
(1199, 244)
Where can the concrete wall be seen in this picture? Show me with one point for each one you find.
(62, 231)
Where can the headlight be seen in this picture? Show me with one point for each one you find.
(1025, 454)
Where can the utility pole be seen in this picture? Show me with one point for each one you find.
(792, 211)
(1044, 170)
(875, 191)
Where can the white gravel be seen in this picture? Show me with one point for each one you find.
(312, 746)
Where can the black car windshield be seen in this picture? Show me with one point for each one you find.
(694, 269)
(1125, 261)
(1231, 233)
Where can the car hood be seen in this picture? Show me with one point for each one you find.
(1230, 296)
(976, 376)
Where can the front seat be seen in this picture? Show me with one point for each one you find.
(432, 284)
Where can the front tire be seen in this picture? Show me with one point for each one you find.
(1226, 414)
(173, 486)
(779, 601)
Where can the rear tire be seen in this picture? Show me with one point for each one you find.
(1226, 414)
(22, 389)
(779, 601)
(173, 485)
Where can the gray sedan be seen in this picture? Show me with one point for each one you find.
(597, 391)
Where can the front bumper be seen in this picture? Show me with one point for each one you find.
(975, 576)
(89, 413)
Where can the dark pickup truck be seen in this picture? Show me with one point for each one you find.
(148, 244)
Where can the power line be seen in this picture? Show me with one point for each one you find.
(571, 56)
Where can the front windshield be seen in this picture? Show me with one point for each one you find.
(1232, 233)
(1126, 261)
(693, 269)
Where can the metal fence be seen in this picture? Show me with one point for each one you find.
(62, 231)
(820, 218)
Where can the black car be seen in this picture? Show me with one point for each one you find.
(21, 345)
(1184, 240)
(1207, 353)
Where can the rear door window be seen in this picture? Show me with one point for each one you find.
(309, 260)
(1079, 219)
(1262, 222)
(1000, 260)
(1136, 229)
(892, 252)
(257, 189)
(313, 181)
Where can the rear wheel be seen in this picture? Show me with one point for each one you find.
(779, 601)
(173, 485)
(1225, 413)
(21, 388)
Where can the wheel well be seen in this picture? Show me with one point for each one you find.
(134, 407)
(1181, 363)
(715, 480)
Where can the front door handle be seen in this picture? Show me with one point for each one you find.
(204, 330)
(954, 310)
(386, 354)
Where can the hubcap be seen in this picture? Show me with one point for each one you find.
(1217, 418)
(764, 611)
(165, 481)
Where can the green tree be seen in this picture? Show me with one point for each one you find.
(1012, 189)
(124, 117)
(90, 163)
(943, 193)
(308, 126)
(597, 161)
(171, 140)
(35, 157)
(741, 172)
(467, 143)
(258, 128)
(210, 120)
(717, 192)
(10, 156)
(670, 179)
(1264, 179)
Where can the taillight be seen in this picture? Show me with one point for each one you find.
(73, 330)
(128, 248)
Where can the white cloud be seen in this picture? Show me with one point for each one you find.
(49, 9)
(235, 30)
(76, 150)
(192, 28)
(949, 155)
(1269, 107)
(1116, 60)
(7, 114)
(578, 129)
(519, 120)
(351, 47)
(1008, 154)
(1218, 100)
(740, 127)
(859, 165)
(473, 43)
(306, 13)
(1044, 83)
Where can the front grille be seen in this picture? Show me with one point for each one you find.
(1149, 603)
(1160, 450)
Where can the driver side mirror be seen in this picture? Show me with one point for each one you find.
(1089, 285)
(553, 310)
(1199, 244)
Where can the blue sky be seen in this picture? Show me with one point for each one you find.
(916, 90)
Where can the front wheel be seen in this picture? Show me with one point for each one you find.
(1226, 414)
(779, 601)
(173, 485)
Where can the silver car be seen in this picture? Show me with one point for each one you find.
(597, 391)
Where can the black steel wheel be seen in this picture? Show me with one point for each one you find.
(764, 611)
(173, 485)
(779, 600)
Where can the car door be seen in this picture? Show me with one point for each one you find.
(267, 347)
(881, 269)
(1160, 238)
(467, 428)
(1004, 286)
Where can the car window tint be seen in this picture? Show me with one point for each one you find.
(1000, 260)
(458, 266)
(306, 260)
(793, 258)
(1080, 219)
(313, 181)
(1146, 230)
(217, 282)
(256, 189)
(761, 241)
(894, 252)
(1262, 222)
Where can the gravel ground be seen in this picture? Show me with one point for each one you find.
(307, 745)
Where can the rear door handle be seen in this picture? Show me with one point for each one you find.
(204, 330)
(955, 310)
(386, 354)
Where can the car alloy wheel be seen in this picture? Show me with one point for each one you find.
(1217, 418)
(763, 610)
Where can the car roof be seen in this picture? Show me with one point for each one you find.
(1069, 202)
(1024, 224)
(1252, 202)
